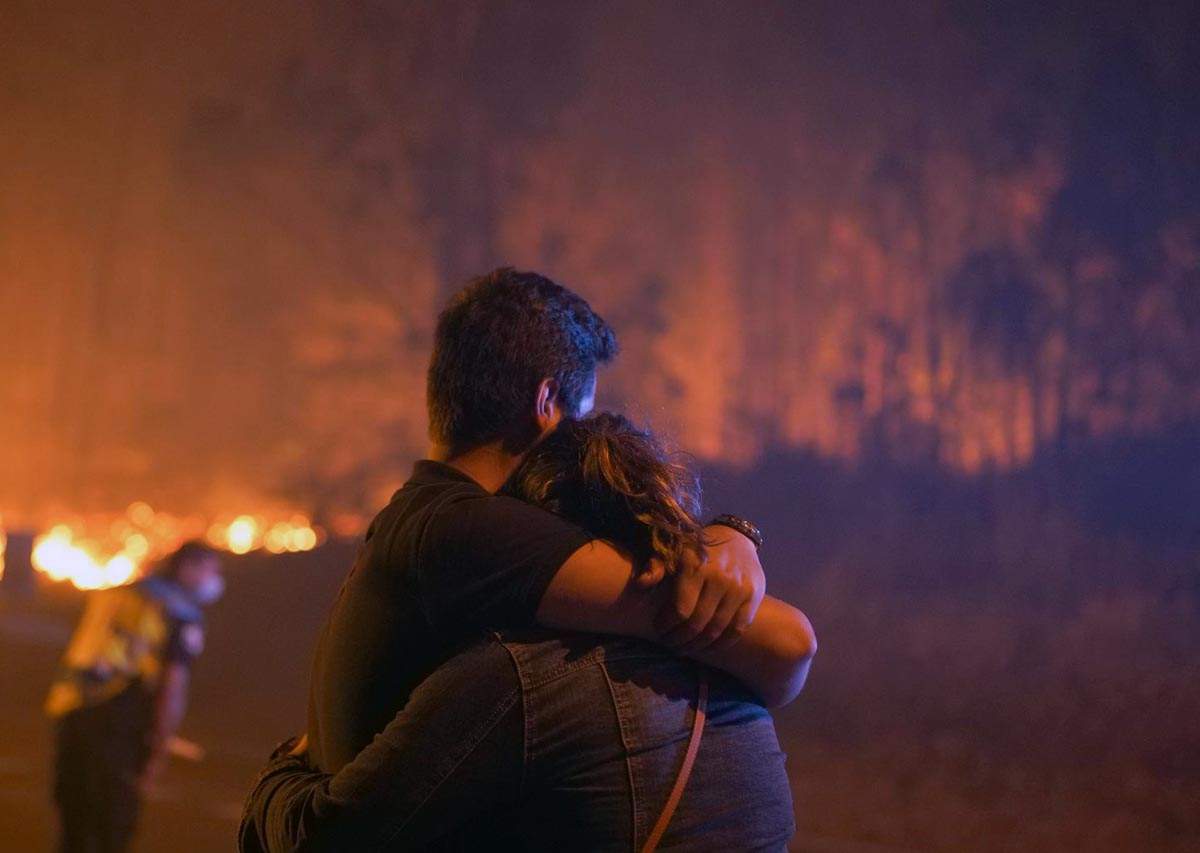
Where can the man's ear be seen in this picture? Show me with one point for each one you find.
(547, 411)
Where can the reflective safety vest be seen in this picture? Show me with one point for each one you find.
(121, 638)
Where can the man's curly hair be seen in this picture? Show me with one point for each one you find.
(499, 337)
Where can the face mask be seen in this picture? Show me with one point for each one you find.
(209, 590)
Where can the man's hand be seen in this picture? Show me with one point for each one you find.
(714, 601)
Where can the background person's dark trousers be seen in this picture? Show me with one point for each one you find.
(101, 753)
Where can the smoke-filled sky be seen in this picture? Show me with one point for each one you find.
(950, 233)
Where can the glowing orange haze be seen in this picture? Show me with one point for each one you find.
(223, 256)
(103, 551)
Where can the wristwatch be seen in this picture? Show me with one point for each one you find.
(746, 528)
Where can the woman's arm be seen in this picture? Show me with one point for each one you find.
(595, 591)
(774, 655)
(447, 758)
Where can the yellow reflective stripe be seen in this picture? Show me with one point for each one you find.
(120, 636)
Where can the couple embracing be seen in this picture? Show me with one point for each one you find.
(540, 646)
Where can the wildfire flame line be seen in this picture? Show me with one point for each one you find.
(107, 551)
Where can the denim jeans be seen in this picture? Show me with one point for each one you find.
(537, 741)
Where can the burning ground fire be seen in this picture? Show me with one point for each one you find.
(109, 550)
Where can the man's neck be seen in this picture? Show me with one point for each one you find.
(488, 465)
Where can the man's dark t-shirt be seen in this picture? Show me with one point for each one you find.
(443, 561)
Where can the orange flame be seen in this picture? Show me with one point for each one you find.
(107, 551)
(250, 532)
(63, 555)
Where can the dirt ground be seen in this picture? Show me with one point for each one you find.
(951, 719)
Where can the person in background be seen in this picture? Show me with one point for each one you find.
(121, 692)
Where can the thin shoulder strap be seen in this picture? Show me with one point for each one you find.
(689, 760)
